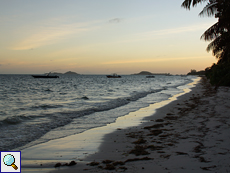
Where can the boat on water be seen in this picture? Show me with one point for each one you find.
(150, 76)
(113, 76)
(46, 76)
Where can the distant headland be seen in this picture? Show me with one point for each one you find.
(66, 73)
(71, 73)
(149, 73)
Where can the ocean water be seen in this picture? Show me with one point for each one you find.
(33, 111)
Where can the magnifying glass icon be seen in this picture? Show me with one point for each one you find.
(9, 160)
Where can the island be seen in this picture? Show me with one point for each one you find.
(66, 73)
(149, 73)
(71, 73)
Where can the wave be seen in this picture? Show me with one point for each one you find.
(31, 127)
(14, 120)
(46, 106)
(97, 107)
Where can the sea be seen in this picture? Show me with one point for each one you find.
(34, 111)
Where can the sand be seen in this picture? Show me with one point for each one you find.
(190, 134)
(187, 133)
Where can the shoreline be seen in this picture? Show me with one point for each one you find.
(43, 157)
(120, 129)
(190, 134)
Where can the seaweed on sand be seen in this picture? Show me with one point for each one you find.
(154, 126)
(140, 141)
(93, 163)
(155, 132)
(139, 150)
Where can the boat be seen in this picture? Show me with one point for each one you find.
(113, 76)
(46, 76)
(150, 76)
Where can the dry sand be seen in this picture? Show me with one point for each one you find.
(191, 134)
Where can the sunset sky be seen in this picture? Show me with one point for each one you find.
(102, 37)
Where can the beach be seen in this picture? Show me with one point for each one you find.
(190, 134)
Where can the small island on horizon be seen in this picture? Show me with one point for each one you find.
(149, 73)
(66, 73)
(71, 73)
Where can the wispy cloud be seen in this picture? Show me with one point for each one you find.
(129, 61)
(47, 35)
(41, 38)
(178, 30)
(152, 35)
(151, 60)
(116, 20)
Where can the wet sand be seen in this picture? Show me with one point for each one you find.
(191, 134)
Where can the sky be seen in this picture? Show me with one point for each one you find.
(102, 37)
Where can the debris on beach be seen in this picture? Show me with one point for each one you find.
(139, 150)
(65, 164)
(57, 165)
(140, 141)
(109, 167)
(93, 163)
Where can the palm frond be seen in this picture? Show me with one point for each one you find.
(210, 9)
(187, 3)
(212, 32)
(212, 46)
(220, 45)
(225, 57)
(218, 33)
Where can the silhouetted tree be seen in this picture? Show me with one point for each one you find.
(218, 33)
(194, 72)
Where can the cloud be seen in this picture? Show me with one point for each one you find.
(115, 20)
(178, 30)
(44, 37)
(170, 31)
(47, 35)
(151, 35)
(150, 60)
(129, 61)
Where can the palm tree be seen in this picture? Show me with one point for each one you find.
(218, 33)
(187, 3)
